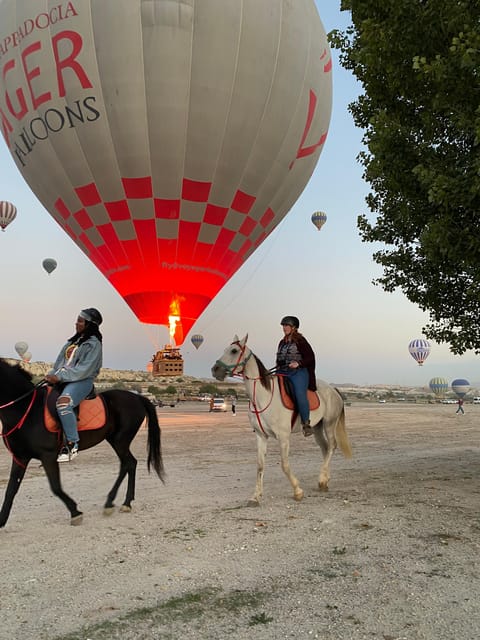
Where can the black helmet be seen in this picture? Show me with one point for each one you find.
(91, 315)
(292, 321)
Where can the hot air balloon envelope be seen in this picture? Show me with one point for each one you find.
(27, 356)
(21, 348)
(196, 340)
(167, 138)
(438, 386)
(49, 264)
(319, 218)
(419, 349)
(461, 387)
(8, 213)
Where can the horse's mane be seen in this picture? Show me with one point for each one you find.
(11, 370)
(264, 374)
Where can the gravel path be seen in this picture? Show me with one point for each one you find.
(390, 553)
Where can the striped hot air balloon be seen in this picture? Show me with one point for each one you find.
(8, 213)
(196, 340)
(438, 386)
(460, 387)
(419, 349)
(319, 218)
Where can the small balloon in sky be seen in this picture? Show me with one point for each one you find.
(419, 349)
(438, 386)
(49, 264)
(8, 213)
(460, 387)
(319, 218)
(27, 356)
(21, 348)
(196, 340)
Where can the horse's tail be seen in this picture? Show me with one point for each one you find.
(154, 446)
(341, 433)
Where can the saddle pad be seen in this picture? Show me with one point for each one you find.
(313, 397)
(92, 416)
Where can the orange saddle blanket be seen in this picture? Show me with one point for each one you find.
(313, 399)
(92, 415)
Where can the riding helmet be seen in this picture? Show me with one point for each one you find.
(91, 315)
(292, 321)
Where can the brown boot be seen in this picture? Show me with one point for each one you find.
(307, 429)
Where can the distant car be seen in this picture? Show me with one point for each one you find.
(218, 404)
(476, 400)
(382, 401)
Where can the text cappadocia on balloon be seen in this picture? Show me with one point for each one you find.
(168, 139)
(419, 349)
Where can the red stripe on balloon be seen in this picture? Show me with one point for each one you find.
(243, 202)
(88, 195)
(62, 209)
(167, 249)
(138, 188)
(107, 231)
(167, 209)
(267, 217)
(215, 215)
(195, 190)
(118, 210)
(147, 239)
(248, 226)
(83, 219)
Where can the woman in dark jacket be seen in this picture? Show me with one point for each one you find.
(295, 359)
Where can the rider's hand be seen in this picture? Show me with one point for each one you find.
(52, 379)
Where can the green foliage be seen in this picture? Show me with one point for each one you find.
(170, 390)
(418, 63)
(212, 389)
(155, 391)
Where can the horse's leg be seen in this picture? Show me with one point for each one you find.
(261, 453)
(128, 466)
(17, 471)
(284, 457)
(325, 437)
(52, 471)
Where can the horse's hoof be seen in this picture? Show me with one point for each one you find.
(125, 508)
(322, 487)
(298, 495)
(253, 502)
(107, 511)
(76, 520)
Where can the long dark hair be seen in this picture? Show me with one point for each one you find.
(91, 329)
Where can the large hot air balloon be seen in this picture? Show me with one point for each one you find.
(49, 264)
(461, 387)
(196, 340)
(21, 348)
(438, 386)
(319, 218)
(167, 138)
(419, 349)
(8, 212)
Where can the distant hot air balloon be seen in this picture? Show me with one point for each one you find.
(461, 387)
(439, 386)
(319, 218)
(49, 264)
(21, 348)
(8, 212)
(27, 356)
(419, 349)
(167, 138)
(196, 340)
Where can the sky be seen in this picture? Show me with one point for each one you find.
(360, 333)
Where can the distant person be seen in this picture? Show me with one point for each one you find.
(76, 367)
(234, 405)
(460, 406)
(296, 360)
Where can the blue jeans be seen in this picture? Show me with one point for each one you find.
(299, 380)
(76, 392)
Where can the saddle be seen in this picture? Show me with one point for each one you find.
(91, 412)
(288, 397)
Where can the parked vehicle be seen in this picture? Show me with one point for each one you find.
(218, 404)
(476, 400)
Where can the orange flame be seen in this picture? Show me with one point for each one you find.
(175, 321)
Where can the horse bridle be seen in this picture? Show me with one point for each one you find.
(231, 369)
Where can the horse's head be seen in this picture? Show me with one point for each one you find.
(233, 360)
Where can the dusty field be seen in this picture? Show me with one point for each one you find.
(390, 553)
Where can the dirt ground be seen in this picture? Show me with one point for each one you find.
(390, 553)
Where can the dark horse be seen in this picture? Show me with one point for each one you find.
(25, 436)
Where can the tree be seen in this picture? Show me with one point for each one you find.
(419, 64)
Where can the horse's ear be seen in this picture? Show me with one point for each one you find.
(244, 341)
(235, 338)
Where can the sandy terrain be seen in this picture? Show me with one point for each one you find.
(390, 553)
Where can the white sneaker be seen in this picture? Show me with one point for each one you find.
(63, 456)
(73, 451)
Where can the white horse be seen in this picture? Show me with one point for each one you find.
(270, 418)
